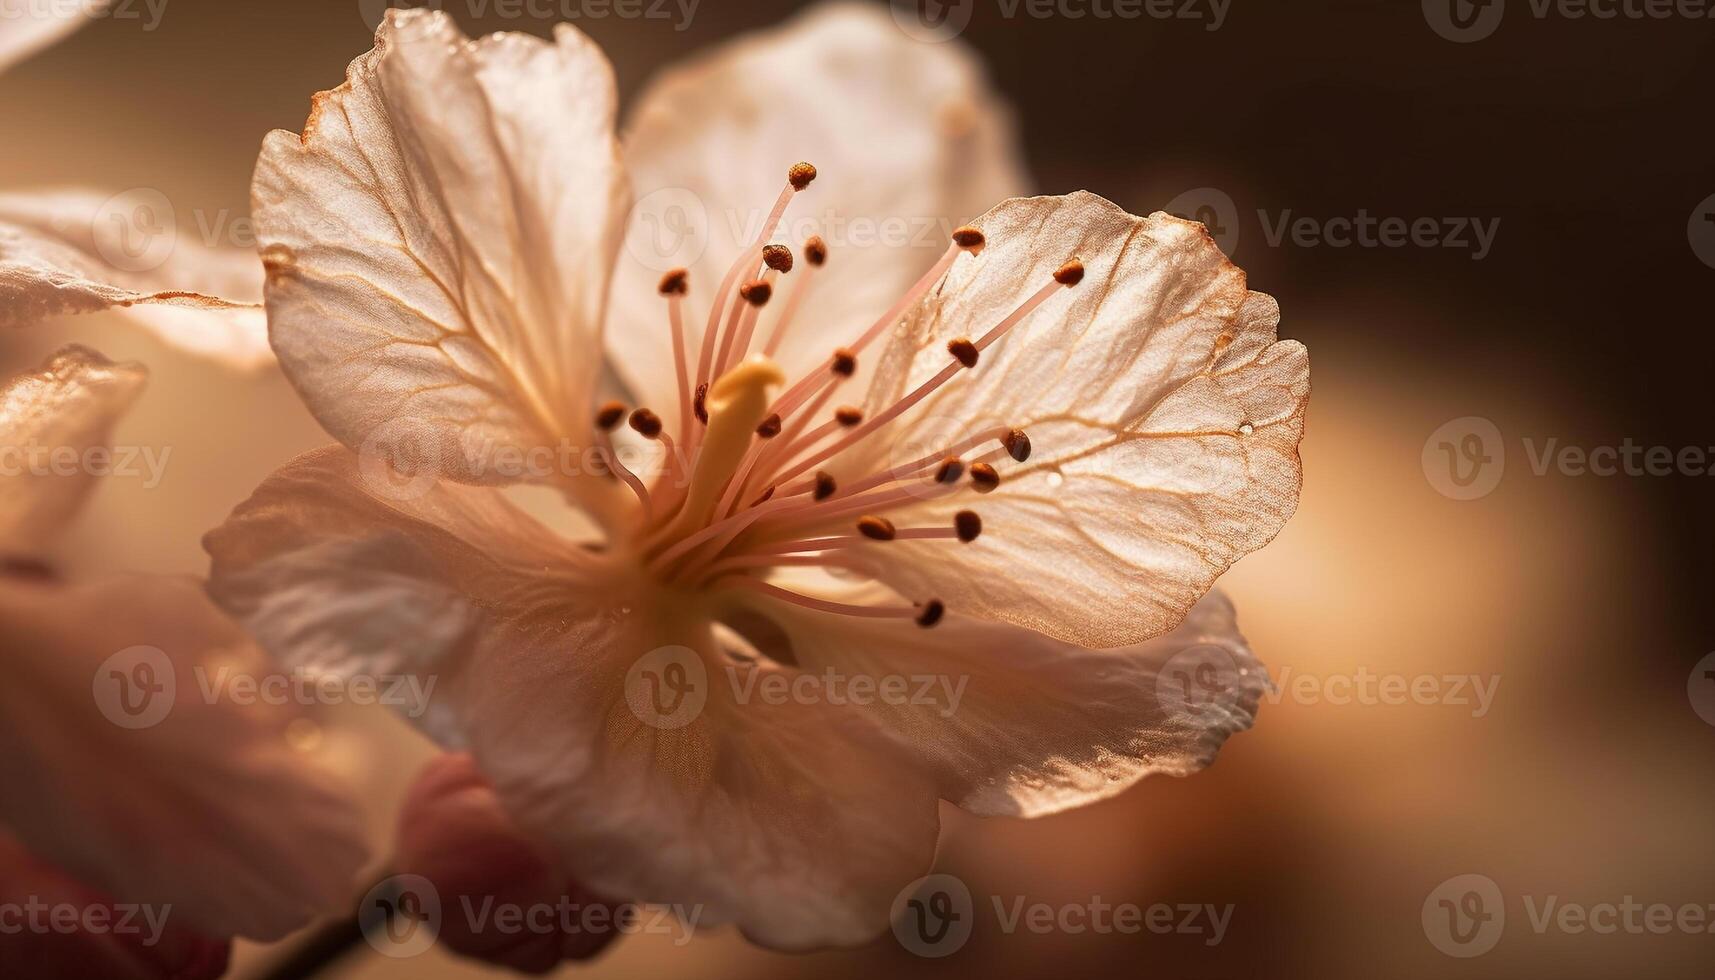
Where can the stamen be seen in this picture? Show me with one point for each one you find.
(800, 175)
(757, 292)
(1070, 274)
(968, 525)
(984, 478)
(968, 238)
(769, 427)
(931, 614)
(609, 415)
(844, 363)
(701, 404)
(1017, 445)
(646, 423)
(777, 257)
(825, 485)
(816, 250)
(674, 285)
(951, 469)
(964, 351)
(877, 528)
(848, 415)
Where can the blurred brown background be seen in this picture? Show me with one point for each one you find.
(1326, 829)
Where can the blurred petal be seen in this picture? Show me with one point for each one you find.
(797, 821)
(908, 137)
(334, 567)
(1163, 415)
(50, 420)
(128, 943)
(74, 251)
(152, 790)
(27, 28)
(1014, 723)
(438, 242)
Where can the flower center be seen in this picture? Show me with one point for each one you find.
(742, 493)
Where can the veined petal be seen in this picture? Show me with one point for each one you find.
(1014, 723)
(334, 568)
(151, 790)
(797, 821)
(909, 139)
(438, 243)
(1164, 419)
(50, 420)
(34, 26)
(81, 251)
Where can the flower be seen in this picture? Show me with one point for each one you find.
(1070, 423)
(147, 791)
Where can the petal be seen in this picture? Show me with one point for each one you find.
(908, 137)
(1163, 414)
(797, 821)
(1014, 723)
(79, 251)
(28, 28)
(51, 421)
(336, 568)
(438, 242)
(152, 790)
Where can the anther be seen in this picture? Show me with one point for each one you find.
(756, 292)
(676, 282)
(968, 524)
(825, 485)
(964, 350)
(983, 477)
(1017, 445)
(845, 362)
(931, 614)
(951, 469)
(777, 257)
(969, 239)
(769, 427)
(647, 423)
(609, 415)
(699, 405)
(876, 528)
(815, 250)
(848, 415)
(1070, 274)
(800, 175)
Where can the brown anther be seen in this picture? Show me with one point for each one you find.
(968, 524)
(647, 423)
(951, 469)
(964, 350)
(815, 250)
(769, 427)
(931, 614)
(825, 485)
(1070, 274)
(845, 362)
(756, 292)
(676, 282)
(609, 415)
(968, 238)
(800, 175)
(876, 528)
(1017, 445)
(765, 495)
(983, 477)
(777, 257)
(848, 415)
(699, 404)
